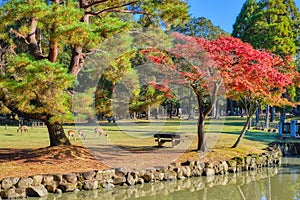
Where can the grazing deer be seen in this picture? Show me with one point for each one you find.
(81, 134)
(23, 128)
(71, 133)
(100, 131)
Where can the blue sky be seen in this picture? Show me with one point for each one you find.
(221, 12)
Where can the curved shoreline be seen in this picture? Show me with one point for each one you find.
(41, 185)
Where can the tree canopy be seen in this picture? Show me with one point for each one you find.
(271, 25)
(44, 45)
(200, 27)
(252, 76)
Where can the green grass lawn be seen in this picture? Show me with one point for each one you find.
(221, 134)
(35, 138)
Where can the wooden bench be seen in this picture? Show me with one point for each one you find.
(162, 138)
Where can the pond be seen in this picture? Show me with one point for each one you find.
(266, 184)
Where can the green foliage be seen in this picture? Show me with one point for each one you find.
(200, 27)
(83, 104)
(271, 25)
(164, 12)
(148, 96)
(243, 20)
(37, 87)
(60, 37)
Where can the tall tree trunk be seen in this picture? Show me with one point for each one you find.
(200, 131)
(34, 48)
(190, 106)
(134, 115)
(213, 112)
(257, 113)
(201, 134)
(52, 57)
(76, 60)
(267, 119)
(156, 112)
(243, 132)
(57, 135)
(148, 112)
(231, 106)
(204, 110)
(272, 112)
(250, 123)
(171, 110)
(217, 110)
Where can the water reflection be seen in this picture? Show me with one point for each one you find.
(268, 183)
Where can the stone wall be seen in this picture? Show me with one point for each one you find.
(287, 148)
(41, 185)
(163, 188)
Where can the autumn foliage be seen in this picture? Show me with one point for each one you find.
(254, 77)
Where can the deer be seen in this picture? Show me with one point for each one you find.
(71, 133)
(100, 132)
(23, 128)
(81, 134)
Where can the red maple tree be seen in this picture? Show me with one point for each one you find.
(254, 77)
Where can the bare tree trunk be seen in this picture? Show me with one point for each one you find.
(57, 135)
(201, 134)
(53, 51)
(213, 112)
(217, 110)
(267, 119)
(156, 112)
(190, 108)
(272, 112)
(242, 133)
(200, 129)
(171, 110)
(231, 106)
(204, 110)
(148, 112)
(34, 49)
(250, 123)
(76, 60)
(257, 113)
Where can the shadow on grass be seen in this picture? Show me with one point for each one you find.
(9, 134)
(41, 154)
(9, 154)
(253, 135)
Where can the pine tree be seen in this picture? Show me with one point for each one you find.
(243, 20)
(200, 27)
(47, 42)
(271, 25)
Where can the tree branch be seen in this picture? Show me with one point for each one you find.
(125, 11)
(11, 105)
(91, 52)
(32, 42)
(19, 35)
(112, 9)
(91, 4)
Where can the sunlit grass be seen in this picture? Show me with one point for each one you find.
(221, 135)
